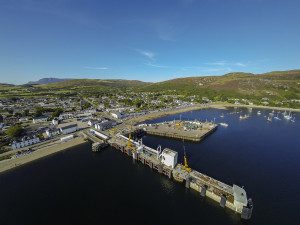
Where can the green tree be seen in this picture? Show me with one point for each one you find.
(1, 119)
(39, 111)
(26, 112)
(14, 131)
(57, 112)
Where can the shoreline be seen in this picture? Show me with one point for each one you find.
(225, 105)
(9, 164)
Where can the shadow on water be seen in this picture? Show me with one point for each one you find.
(81, 187)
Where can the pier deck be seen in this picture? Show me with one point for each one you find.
(187, 130)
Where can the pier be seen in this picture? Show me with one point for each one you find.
(186, 130)
(164, 161)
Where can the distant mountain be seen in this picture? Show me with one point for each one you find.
(47, 81)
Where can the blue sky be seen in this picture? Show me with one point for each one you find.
(150, 40)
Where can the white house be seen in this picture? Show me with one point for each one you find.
(68, 129)
(25, 141)
(52, 132)
(169, 157)
(55, 122)
(117, 115)
(40, 119)
(105, 124)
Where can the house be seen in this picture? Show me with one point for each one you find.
(105, 124)
(52, 132)
(69, 128)
(40, 119)
(117, 115)
(55, 122)
(25, 141)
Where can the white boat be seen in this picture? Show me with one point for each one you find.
(288, 116)
(271, 113)
(293, 120)
(222, 115)
(269, 119)
(224, 124)
(244, 117)
(277, 117)
(258, 113)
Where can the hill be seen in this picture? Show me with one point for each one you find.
(46, 81)
(279, 84)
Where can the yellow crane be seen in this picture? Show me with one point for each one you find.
(185, 162)
(129, 143)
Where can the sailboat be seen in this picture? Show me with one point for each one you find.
(276, 117)
(288, 117)
(269, 119)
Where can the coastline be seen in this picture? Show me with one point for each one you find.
(225, 105)
(9, 164)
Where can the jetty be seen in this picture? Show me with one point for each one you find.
(165, 161)
(186, 130)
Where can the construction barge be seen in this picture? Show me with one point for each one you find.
(186, 130)
(164, 161)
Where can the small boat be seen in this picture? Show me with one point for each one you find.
(258, 113)
(288, 116)
(293, 120)
(244, 117)
(272, 113)
(269, 119)
(224, 124)
(277, 117)
(222, 115)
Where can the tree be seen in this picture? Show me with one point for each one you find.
(1, 119)
(57, 112)
(26, 112)
(86, 105)
(38, 111)
(15, 131)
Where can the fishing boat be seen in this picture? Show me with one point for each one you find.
(224, 124)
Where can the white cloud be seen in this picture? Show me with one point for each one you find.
(148, 54)
(156, 65)
(95, 68)
(227, 63)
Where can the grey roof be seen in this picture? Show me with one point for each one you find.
(239, 194)
(68, 126)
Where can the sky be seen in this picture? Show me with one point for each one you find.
(149, 40)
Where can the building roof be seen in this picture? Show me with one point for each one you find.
(170, 152)
(40, 117)
(240, 195)
(68, 126)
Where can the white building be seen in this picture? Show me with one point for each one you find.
(117, 115)
(40, 119)
(68, 129)
(25, 141)
(169, 157)
(52, 132)
(55, 122)
(105, 124)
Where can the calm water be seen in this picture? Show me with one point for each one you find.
(78, 187)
